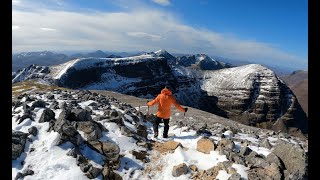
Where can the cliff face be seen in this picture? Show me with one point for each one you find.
(253, 95)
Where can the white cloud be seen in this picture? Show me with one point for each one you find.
(47, 29)
(143, 30)
(144, 35)
(162, 2)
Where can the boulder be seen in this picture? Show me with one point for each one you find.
(109, 149)
(279, 126)
(18, 143)
(33, 130)
(205, 145)
(141, 155)
(39, 104)
(90, 128)
(81, 115)
(179, 170)
(272, 158)
(167, 146)
(293, 157)
(47, 115)
(271, 172)
(26, 172)
(265, 143)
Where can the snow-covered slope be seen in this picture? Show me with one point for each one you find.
(50, 150)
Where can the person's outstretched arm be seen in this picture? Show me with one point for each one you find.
(177, 105)
(156, 100)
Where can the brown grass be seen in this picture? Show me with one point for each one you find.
(26, 86)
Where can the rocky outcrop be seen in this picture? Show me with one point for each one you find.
(294, 159)
(18, 143)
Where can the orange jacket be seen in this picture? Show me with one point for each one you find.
(165, 100)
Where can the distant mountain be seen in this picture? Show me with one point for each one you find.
(97, 54)
(44, 58)
(201, 61)
(48, 58)
(298, 83)
(251, 94)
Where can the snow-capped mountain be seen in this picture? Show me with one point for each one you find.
(79, 135)
(251, 94)
(45, 58)
(202, 62)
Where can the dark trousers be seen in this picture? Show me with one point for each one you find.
(156, 123)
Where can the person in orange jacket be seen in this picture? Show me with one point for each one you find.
(164, 100)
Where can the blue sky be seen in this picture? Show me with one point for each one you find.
(264, 31)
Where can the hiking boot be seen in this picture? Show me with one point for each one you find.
(165, 136)
(155, 135)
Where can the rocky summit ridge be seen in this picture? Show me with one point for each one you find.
(79, 134)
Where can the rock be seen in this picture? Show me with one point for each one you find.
(231, 170)
(33, 130)
(193, 168)
(113, 113)
(279, 126)
(141, 155)
(272, 158)
(244, 151)
(47, 115)
(90, 128)
(63, 105)
(167, 146)
(293, 157)
(81, 160)
(74, 152)
(39, 104)
(54, 105)
(81, 115)
(265, 143)
(235, 176)
(19, 176)
(142, 131)
(93, 172)
(26, 172)
(205, 145)
(256, 161)
(224, 165)
(126, 131)
(50, 96)
(271, 172)
(23, 117)
(226, 143)
(179, 170)
(212, 173)
(18, 143)
(108, 149)
(203, 132)
(110, 175)
(85, 167)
